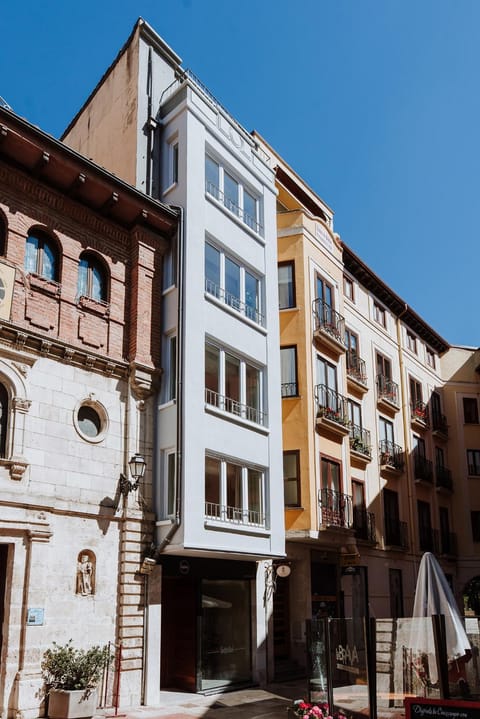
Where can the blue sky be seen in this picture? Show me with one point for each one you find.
(375, 103)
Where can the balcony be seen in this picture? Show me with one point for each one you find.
(356, 372)
(419, 415)
(328, 327)
(387, 393)
(289, 389)
(439, 425)
(391, 457)
(335, 509)
(332, 410)
(444, 481)
(423, 468)
(360, 443)
(364, 525)
(231, 406)
(234, 515)
(396, 533)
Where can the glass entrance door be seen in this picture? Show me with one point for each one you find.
(225, 633)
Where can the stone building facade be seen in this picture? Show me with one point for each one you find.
(80, 290)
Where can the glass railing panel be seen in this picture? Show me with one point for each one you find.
(348, 659)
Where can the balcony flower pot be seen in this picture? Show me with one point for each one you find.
(71, 677)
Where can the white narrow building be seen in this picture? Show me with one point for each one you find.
(218, 488)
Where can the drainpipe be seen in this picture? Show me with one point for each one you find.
(406, 437)
(179, 399)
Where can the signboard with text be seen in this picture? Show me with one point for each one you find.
(422, 708)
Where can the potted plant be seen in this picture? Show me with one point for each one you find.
(313, 710)
(72, 677)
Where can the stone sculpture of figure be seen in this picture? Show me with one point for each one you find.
(84, 576)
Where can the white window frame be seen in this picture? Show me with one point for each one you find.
(243, 515)
(228, 406)
(255, 224)
(238, 304)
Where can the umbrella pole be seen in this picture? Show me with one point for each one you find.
(439, 636)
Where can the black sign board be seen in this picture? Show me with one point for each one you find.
(420, 708)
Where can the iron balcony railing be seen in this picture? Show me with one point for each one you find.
(419, 411)
(391, 455)
(387, 389)
(439, 423)
(214, 191)
(332, 405)
(360, 440)
(423, 467)
(444, 478)
(234, 302)
(396, 534)
(335, 509)
(364, 524)
(329, 320)
(234, 515)
(227, 404)
(289, 389)
(356, 367)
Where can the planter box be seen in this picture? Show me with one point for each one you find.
(73, 704)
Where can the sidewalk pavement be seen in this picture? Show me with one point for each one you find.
(269, 703)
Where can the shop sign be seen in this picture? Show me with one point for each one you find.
(422, 708)
(347, 658)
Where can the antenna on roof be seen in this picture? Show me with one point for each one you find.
(4, 103)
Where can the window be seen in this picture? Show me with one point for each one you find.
(288, 359)
(360, 521)
(286, 285)
(475, 520)
(393, 527)
(3, 233)
(351, 341)
(416, 401)
(355, 415)
(233, 194)
(348, 288)
(470, 410)
(473, 461)
(334, 508)
(3, 419)
(231, 283)
(430, 357)
(172, 368)
(170, 484)
(233, 385)
(172, 163)
(386, 431)
(170, 266)
(395, 583)
(379, 314)
(439, 457)
(92, 278)
(91, 420)
(411, 342)
(234, 493)
(425, 534)
(384, 367)
(41, 255)
(291, 478)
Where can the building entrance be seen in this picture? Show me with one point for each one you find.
(206, 624)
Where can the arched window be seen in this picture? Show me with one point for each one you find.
(41, 255)
(3, 419)
(92, 278)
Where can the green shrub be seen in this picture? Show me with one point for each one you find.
(64, 667)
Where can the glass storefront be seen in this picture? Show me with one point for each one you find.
(225, 633)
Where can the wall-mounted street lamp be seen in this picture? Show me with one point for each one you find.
(137, 466)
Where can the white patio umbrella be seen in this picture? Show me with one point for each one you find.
(434, 596)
